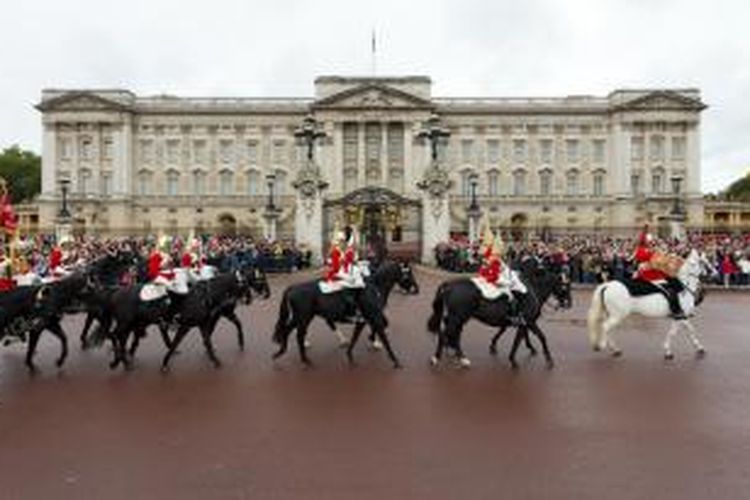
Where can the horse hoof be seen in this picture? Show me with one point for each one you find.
(376, 345)
(700, 353)
(493, 351)
(308, 344)
(533, 353)
(164, 369)
(514, 366)
(617, 353)
(596, 348)
(668, 356)
(217, 365)
(464, 362)
(550, 364)
(343, 344)
(434, 361)
(60, 362)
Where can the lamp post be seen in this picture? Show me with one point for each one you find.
(64, 212)
(677, 216)
(433, 132)
(308, 133)
(676, 182)
(272, 212)
(473, 211)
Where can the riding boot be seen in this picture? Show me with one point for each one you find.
(674, 306)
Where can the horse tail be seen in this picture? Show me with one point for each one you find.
(282, 323)
(438, 304)
(597, 311)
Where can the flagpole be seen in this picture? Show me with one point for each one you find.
(374, 54)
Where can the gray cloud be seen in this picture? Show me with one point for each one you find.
(469, 47)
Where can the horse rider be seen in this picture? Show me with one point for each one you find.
(669, 286)
(498, 275)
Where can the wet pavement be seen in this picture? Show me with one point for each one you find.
(593, 427)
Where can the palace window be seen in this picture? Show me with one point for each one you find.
(678, 148)
(226, 183)
(199, 152)
(519, 183)
(147, 151)
(657, 147)
(545, 151)
(571, 183)
(280, 183)
(657, 181)
(253, 182)
(279, 148)
(396, 180)
(598, 147)
(66, 149)
(226, 151)
(598, 184)
(199, 183)
(519, 150)
(466, 183)
(636, 148)
(493, 183)
(545, 183)
(467, 151)
(493, 151)
(252, 152)
(173, 182)
(144, 183)
(106, 183)
(173, 151)
(84, 181)
(635, 184)
(107, 149)
(87, 148)
(572, 150)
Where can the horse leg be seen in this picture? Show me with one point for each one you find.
(301, 334)
(453, 329)
(374, 338)
(85, 331)
(383, 337)
(520, 333)
(495, 338)
(700, 351)
(58, 332)
(173, 347)
(119, 340)
(358, 327)
(543, 339)
(31, 349)
(529, 345)
(343, 341)
(206, 333)
(164, 331)
(137, 334)
(232, 317)
(668, 354)
(606, 341)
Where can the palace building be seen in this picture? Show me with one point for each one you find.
(148, 164)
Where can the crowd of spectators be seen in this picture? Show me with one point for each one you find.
(594, 259)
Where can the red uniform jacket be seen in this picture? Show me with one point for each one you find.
(643, 255)
(334, 264)
(55, 258)
(187, 260)
(348, 258)
(154, 265)
(491, 270)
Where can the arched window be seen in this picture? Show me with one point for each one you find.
(173, 182)
(545, 183)
(571, 183)
(199, 183)
(84, 181)
(253, 182)
(519, 183)
(599, 184)
(657, 181)
(466, 183)
(144, 183)
(493, 183)
(226, 183)
(280, 187)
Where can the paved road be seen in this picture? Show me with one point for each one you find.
(593, 427)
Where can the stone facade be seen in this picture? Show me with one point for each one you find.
(166, 163)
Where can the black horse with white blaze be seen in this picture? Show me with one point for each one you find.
(458, 301)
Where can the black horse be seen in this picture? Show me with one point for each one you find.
(51, 302)
(457, 301)
(385, 277)
(302, 302)
(209, 300)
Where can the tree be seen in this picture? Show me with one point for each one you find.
(22, 169)
(739, 190)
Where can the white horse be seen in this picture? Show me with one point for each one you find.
(612, 303)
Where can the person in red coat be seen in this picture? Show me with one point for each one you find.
(334, 259)
(671, 287)
(153, 267)
(55, 259)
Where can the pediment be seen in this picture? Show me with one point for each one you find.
(81, 101)
(373, 96)
(663, 100)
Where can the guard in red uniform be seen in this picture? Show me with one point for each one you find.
(350, 255)
(334, 259)
(55, 259)
(671, 287)
(154, 264)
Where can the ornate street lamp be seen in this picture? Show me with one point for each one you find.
(309, 133)
(271, 180)
(676, 182)
(64, 212)
(434, 133)
(473, 211)
(272, 212)
(473, 181)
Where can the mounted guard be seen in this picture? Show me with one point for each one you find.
(659, 270)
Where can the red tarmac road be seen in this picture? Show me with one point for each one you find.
(593, 427)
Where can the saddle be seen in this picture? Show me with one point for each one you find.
(152, 291)
(641, 288)
(490, 291)
(353, 280)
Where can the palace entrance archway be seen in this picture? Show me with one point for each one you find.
(387, 222)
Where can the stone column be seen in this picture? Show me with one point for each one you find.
(361, 154)
(308, 220)
(436, 219)
(271, 218)
(49, 159)
(384, 161)
(693, 161)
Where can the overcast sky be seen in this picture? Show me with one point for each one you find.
(468, 48)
